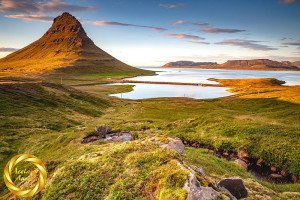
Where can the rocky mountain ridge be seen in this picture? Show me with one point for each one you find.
(255, 64)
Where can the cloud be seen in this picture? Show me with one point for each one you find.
(220, 30)
(292, 43)
(289, 1)
(297, 44)
(199, 42)
(248, 44)
(171, 6)
(7, 49)
(200, 23)
(42, 18)
(178, 22)
(112, 23)
(33, 7)
(185, 36)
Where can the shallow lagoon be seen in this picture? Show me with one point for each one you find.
(183, 75)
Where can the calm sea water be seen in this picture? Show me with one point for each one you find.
(142, 91)
(201, 75)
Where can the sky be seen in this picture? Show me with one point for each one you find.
(154, 32)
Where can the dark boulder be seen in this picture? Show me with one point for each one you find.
(235, 186)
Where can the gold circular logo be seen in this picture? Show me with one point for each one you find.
(41, 171)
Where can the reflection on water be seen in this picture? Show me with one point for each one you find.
(183, 75)
(143, 91)
(201, 75)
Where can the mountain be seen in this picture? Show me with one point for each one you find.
(297, 64)
(255, 64)
(188, 64)
(65, 47)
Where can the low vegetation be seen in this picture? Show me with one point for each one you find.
(49, 120)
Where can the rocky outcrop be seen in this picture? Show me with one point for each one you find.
(175, 144)
(196, 191)
(105, 133)
(235, 186)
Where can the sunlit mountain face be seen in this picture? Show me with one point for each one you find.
(152, 33)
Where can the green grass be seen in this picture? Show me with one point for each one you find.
(120, 171)
(266, 128)
(106, 75)
(37, 110)
(49, 121)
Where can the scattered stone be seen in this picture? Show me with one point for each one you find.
(199, 170)
(196, 191)
(90, 138)
(273, 169)
(102, 130)
(235, 186)
(260, 162)
(243, 155)
(175, 144)
(241, 163)
(276, 178)
(294, 179)
(119, 137)
(284, 173)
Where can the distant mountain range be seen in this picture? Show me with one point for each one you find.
(255, 64)
(65, 47)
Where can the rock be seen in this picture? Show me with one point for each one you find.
(243, 155)
(241, 163)
(294, 179)
(175, 144)
(199, 170)
(89, 138)
(260, 162)
(273, 169)
(197, 192)
(284, 172)
(235, 186)
(119, 137)
(277, 178)
(103, 130)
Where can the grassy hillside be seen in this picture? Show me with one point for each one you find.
(49, 120)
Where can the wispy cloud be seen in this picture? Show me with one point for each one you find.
(200, 23)
(289, 1)
(171, 6)
(248, 44)
(25, 17)
(31, 6)
(292, 43)
(297, 44)
(178, 22)
(113, 23)
(207, 28)
(7, 49)
(220, 30)
(185, 36)
(199, 42)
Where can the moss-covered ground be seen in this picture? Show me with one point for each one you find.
(49, 121)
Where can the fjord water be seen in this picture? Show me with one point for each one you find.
(183, 75)
(143, 91)
(189, 75)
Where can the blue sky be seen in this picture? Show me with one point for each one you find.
(153, 32)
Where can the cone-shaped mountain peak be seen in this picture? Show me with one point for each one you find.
(64, 46)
